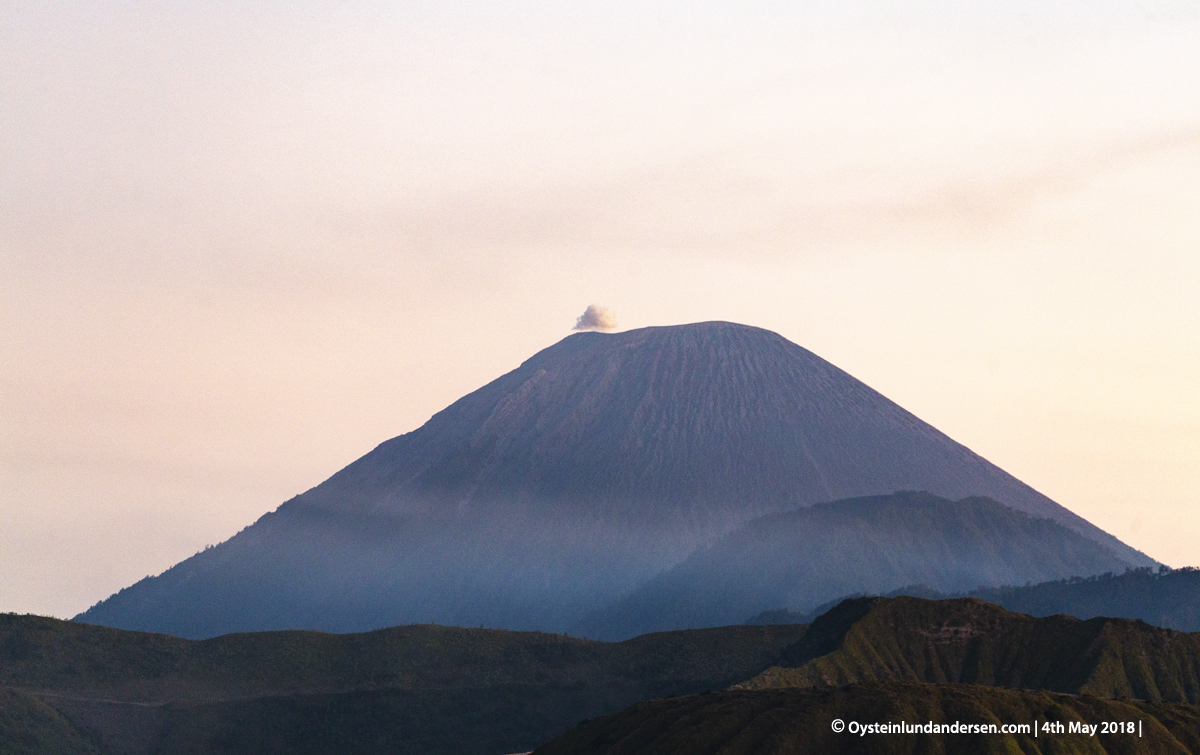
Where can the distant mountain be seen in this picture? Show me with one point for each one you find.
(799, 720)
(1164, 597)
(560, 487)
(969, 641)
(806, 557)
(67, 687)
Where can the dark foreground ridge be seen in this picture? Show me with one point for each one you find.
(70, 687)
(969, 641)
(410, 689)
(800, 720)
(566, 484)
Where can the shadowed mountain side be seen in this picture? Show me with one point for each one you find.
(1168, 598)
(1165, 598)
(311, 568)
(788, 721)
(28, 726)
(58, 656)
(806, 557)
(434, 690)
(699, 425)
(413, 689)
(549, 492)
(969, 641)
(484, 721)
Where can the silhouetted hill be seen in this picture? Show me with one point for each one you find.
(408, 689)
(68, 687)
(969, 641)
(806, 557)
(1163, 597)
(565, 484)
(789, 721)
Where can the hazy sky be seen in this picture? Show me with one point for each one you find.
(239, 247)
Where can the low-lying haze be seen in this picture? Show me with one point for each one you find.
(241, 246)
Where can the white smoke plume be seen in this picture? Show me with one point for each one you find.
(596, 318)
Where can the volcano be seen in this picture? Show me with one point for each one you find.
(565, 485)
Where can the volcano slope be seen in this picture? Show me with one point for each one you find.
(558, 488)
(808, 557)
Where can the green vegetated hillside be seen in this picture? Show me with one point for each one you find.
(800, 720)
(970, 641)
(418, 689)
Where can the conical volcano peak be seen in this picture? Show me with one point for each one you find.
(729, 343)
(715, 417)
(596, 466)
(714, 337)
(705, 425)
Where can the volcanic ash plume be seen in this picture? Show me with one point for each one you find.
(596, 318)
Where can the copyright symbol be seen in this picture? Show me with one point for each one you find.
(838, 725)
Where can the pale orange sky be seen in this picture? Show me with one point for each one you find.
(239, 248)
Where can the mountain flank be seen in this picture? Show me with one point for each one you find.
(28, 725)
(969, 641)
(809, 556)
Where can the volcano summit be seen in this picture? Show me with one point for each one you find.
(599, 464)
